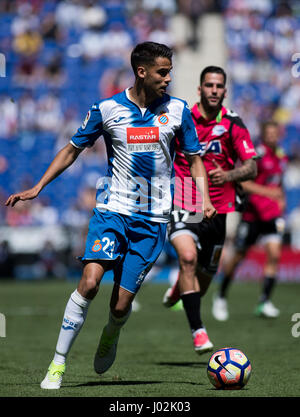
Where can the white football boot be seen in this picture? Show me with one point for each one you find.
(53, 378)
(220, 308)
(267, 309)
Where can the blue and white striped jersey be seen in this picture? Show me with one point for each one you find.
(140, 152)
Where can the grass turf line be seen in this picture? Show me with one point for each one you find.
(155, 354)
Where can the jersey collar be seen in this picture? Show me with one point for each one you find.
(197, 115)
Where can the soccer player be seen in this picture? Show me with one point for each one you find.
(133, 203)
(261, 218)
(223, 139)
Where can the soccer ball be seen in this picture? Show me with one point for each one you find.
(229, 368)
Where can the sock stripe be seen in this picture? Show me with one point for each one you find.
(79, 299)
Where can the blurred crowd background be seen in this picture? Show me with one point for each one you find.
(63, 55)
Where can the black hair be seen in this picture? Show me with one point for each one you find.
(147, 52)
(215, 70)
(267, 124)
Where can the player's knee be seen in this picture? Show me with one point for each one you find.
(121, 309)
(90, 286)
(188, 260)
(273, 259)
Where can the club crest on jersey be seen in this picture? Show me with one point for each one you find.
(218, 130)
(87, 118)
(96, 246)
(163, 119)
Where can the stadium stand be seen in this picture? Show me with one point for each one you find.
(63, 55)
(262, 38)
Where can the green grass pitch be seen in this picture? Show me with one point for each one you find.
(155, 353)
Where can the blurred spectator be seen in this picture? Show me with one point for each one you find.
(159, 31)
(28, 43)
(92, 16)
(9, 117)
(3, 164)
(20, 215)
(3, 198)
(93, 44)
(6, 260)
(43, 213)
(7, 6)
(118, 41)
(51, 30)
(27, 111)
(49, 113)
(68, 13)
(28, 73)
(167, 7)
(139, 19)
(68, 129)
(193, 10)
(115, 42)
(294, 228)
(292, 175)
(87, 199)
(49, 263)
(54, 74)
(25, 19)
(114, 80)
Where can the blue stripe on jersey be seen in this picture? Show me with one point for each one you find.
(104, 184)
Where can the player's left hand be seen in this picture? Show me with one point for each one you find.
(209, 211)
(217, 176)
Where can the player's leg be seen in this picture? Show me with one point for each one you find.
(273, 251)
(145, 243)
(229, 267)
(103, 247)
(188, 284)
(73, 320)
(182, 235)
(191, 289)
(246, 235)
(211, 240)
(120, 309)
(233, 220)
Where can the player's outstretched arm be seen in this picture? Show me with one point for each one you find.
(274, 193)
(65, 157)
(199, 176)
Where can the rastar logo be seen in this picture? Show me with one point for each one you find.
(142, 134)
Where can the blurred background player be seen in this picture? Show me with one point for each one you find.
(223, 139)
(261, 218)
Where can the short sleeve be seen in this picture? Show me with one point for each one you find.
(242, 142)
(90, 130)
(187, 133)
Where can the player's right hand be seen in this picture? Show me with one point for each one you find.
(24, 195)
